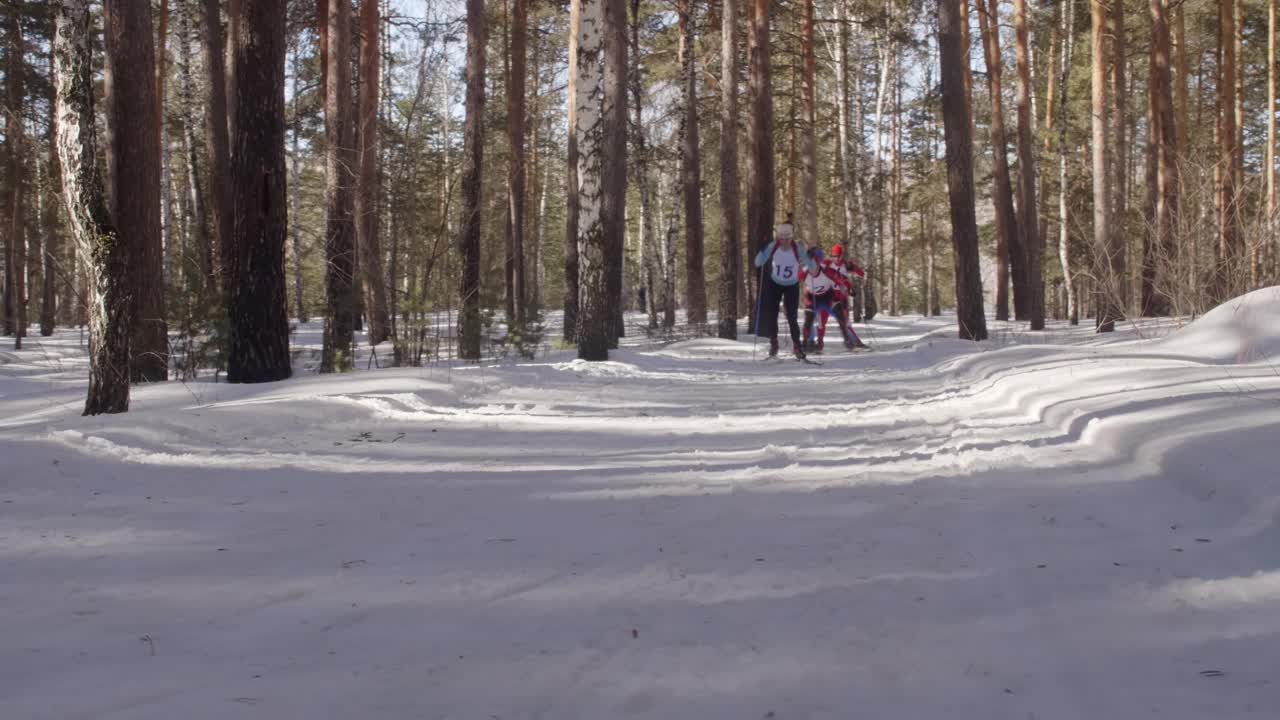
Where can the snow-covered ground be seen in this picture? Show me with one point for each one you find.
(1043, 526)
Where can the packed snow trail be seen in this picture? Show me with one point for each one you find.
(1049, 525)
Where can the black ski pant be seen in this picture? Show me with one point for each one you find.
(770, 294)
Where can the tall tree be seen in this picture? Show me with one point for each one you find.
(198, 234)
(254, 272)
(1163, 138)
(340, 186)
(695, 287)
(1230, 242)
(517, 173)
(730, 221)
(614, 165)
(49, 213)
(1028, 223)
(104, 253)
(216, 136)
(1009, 252)
(472, 164)
(367, 191)
(15, 234)
(134, 171)
(1107, 307)
(601, 131)
(1269, 164)
(760, 189)
(1120, 164)
(808, 228)
(572, 285)
(1068, 21)
(970, 316)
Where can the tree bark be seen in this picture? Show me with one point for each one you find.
(614, 164)
(368, 190)
(1164, 139)
(760, 188)
(594, 314)
(695, 287)
(517, 172)
(196, 185)
(808, 226)
(340, 186)
(970, 315)
(15, 234)
(217, 139)
(1120, 186)
(1230, 242)
(1269, 165)
(134, 171)
(730, 221)
(253, 275)
(105, 254)
(472, 178)
(572, 274)
(295, 201)
(1104, 262)
(1068, 21)
(49, 212)
(1028, 223)
(1009, 252)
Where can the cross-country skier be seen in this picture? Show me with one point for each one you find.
(844, 289)
(784, 258)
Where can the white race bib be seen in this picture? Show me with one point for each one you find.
(819, 283)
(786, 267)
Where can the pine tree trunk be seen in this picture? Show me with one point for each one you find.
(730, 222)
(760, 172)
(1104, 267)
(808, 227)
(1028, 223)
(1269, 165)
(105, 254)
(1230, 244)
(1009, 251)
(15, 235)
(340, 187)
(49, 213)
(253, 274)
(203, 245)
(1120, 183)
(295, 201)
(217, 139)
(134, 171)
(572, 269)
(614, 163)
(368, 189)
(1164, 137)
(472, 177)
(517, 172)
(956, 123)
(695, 300)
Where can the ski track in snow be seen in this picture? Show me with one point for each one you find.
(1053, 525)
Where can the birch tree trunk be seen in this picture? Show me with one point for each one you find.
(1068, 21)
(103, 253)
(195, 180)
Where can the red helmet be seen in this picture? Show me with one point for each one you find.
(837, 250)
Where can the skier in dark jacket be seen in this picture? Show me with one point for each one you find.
(784, 258)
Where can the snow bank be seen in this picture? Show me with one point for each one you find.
(1242, 330)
